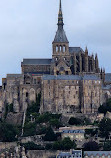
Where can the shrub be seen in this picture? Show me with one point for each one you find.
(50, 135)
(105, 107)
(65, 144)
(91, 146)
(32, 146)
(74, 121)
(8, 132)
(29, 129)
(105, 127)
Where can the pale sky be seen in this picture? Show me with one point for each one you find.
(28, 27)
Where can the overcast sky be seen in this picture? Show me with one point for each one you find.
(28, 27)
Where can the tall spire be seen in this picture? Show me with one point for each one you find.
(60, 17)
(60, 34)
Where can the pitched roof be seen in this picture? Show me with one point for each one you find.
(75, 50)
(70, 77)
(61, 77)
(60, 36)
(108, 77)
(73, 131)
(36, 61)
(91, 77)
(100, 153)
(14, 75)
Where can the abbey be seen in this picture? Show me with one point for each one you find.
(71, 81)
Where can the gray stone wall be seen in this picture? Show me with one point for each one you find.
(71, 96)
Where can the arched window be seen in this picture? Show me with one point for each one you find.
(56, 48)
(60, 48)
(64, 48)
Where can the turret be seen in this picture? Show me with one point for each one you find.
(86, 60)
(96, 64)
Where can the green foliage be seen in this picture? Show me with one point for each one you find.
(65, 144)
(78, 121)
(8, 132)
(107, 146)
(33, 108)
(91, 146)
(55, 123)
(30, 129)
(46, 117)
(105, 107)
(74, 121)
(8, 108)
(50, 135)
(41, 130)
(32, 146)
(48, 147)
(105, 127)
(91, 132)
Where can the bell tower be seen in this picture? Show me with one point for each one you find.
(60, 43)
(60, 55)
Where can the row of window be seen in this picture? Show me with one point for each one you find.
(60, 48)
(93, 82)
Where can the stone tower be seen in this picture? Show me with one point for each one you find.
(61, 55)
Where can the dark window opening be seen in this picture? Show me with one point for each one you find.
(27, 94)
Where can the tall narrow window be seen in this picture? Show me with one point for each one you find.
(64, 49)
(60, 48)
(56, 48)
(26, 94)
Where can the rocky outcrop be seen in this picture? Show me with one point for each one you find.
(14, 118)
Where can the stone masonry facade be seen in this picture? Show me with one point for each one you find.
(71, 81)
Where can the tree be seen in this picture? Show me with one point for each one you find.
(105, 107)
(74, 121)
(32, 146)
(91, 132)
(64, 144)
(30, 129)
(50, 135)
(107, 146)
(8, 132)
(55, 123)
(105, 127)
(91, 146)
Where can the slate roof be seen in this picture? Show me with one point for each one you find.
(70, 77)
(91, 77)
(75, 153)
(14, 75)
(61, 77)
(100, 153)
(60, 36)
(107, 87)
(108, 77)
(36, 61)
(73, 131)
(75, 50)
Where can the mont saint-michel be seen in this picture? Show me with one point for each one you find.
(57, 107)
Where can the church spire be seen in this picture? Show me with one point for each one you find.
(60, 34)
(60, 17)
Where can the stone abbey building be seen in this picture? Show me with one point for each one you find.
(71, 81)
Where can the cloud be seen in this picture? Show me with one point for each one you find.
(27, 29)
